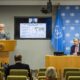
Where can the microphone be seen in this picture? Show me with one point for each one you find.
(49, 6)
(7, 35)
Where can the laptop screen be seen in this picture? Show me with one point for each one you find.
(58, 53)
(78, 53)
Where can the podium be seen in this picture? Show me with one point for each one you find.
(6, 46)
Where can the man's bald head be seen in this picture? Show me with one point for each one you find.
(2, 25)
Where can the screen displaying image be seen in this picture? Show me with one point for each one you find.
(32, 30)
(32, 27)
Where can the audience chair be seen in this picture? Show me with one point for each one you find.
(42, 69)
(41, 74)
(1, 76)
(1, 69)
(16, 77)
(71, 73)
(74, 78)
(23, 72)
(69, 69)
(42, 78)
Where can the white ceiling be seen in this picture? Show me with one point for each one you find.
(39, 2)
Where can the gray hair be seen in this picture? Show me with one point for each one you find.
(51, 73)
(75, 39)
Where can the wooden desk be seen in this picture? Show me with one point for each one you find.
(61, 62)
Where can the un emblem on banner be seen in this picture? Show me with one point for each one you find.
(58, 34)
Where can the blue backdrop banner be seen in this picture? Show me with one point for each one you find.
(66, 28)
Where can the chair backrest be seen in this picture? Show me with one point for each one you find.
(23, 72)
(69, 69)
(16, 77)
(42, 69)
(41, 74)
(74, 78)
(42, 78)
(71, 73)
(1, 76)
(2, 70)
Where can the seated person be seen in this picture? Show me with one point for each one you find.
(18, 65)
(51, 73)
(75, 47)
(3, 36)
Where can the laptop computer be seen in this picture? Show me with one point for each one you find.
(78, 53)
(58, 53)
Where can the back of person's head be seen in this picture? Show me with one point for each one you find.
(18, 57)
(51, 73)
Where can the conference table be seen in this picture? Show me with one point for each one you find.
(61, 62)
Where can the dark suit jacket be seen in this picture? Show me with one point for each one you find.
(18, 66)
(4, 36)
(73, 49)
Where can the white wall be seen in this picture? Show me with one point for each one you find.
(33, 51)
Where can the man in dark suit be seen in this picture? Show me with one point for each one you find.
(18, 65)
(3, 36)
(76, 47)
